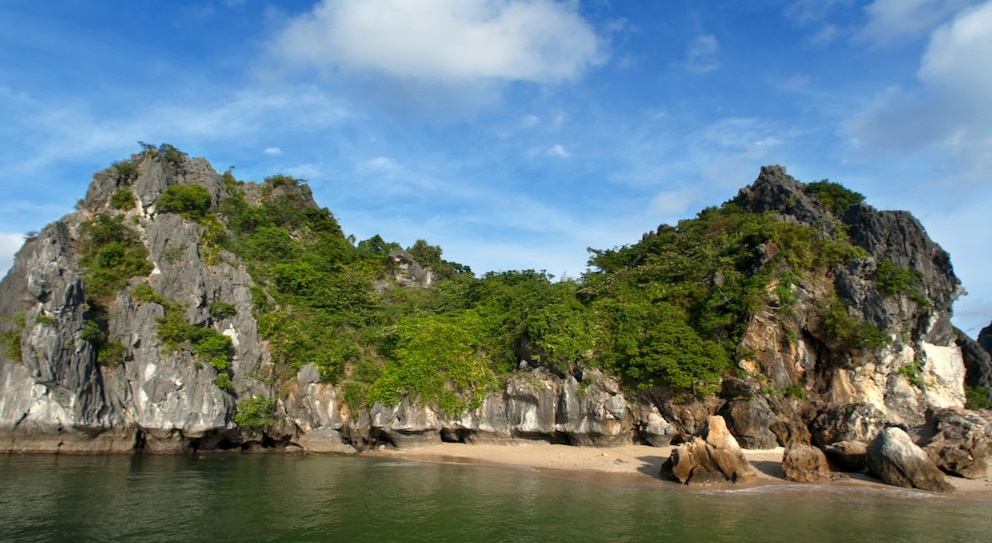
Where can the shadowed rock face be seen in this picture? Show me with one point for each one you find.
(963, 443)
(849, 456)
(896, 460)
(985, 338)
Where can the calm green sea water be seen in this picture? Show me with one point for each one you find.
(277, 498)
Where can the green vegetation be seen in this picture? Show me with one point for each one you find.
(126, 170)
(122, 200)
(45, 319)
(223, 382)
(207, 344)
(111, 354)
(851, 332)
(112, 254)
(668, 311)
(796, 391)
(976, 397)
(222, 310)
(174, 252)
(282, 181)
(893, 280)
(833, 196)
(913, 372)
(191, 201)
(10, 336)
(439, 361)
(674, 305)
(255, 413)
(165, 152)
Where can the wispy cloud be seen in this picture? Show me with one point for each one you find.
(893, 21)
(558, 151)
(701, 54)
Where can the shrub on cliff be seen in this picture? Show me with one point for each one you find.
(191, 201)
(111, 254)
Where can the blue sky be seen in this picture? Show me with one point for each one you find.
(514, 133)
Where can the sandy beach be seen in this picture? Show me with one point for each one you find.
(629, 464)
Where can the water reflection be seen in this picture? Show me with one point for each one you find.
(236, 497)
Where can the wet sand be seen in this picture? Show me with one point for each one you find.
(629, 464)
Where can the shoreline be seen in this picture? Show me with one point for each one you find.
(640, 465)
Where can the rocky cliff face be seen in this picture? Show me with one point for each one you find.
(857, 390)
(58, 396)
(95, 373)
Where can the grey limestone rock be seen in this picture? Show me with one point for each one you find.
(962, 444)
(857, 422)
(896, 460)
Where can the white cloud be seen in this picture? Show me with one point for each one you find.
(948, 113)
(9, 244)
(891, 21)
(701, 55)
(448, 41)
(674, 203)
(275, 151)
(959, 57)
(558, 151)
(65, 130)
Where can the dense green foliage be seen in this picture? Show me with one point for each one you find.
(851, 332)
(976, 397)
(833, 196)
(676, 303)
(122, 199)
(222, 310)
(255, 413)
(165, 152)
(111, 253)
(126, 170)
(191, 201)
(440, 360)
(668, 311)
(111, 354)
(893, 280)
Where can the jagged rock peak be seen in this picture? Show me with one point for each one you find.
(776, 190)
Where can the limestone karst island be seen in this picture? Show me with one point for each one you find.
(179, 309)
